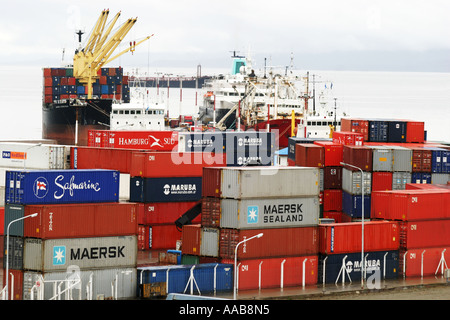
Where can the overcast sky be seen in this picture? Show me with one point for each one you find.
(399, 35)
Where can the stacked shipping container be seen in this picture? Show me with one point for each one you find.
(239, 203)
(80, 227)
(60, 84)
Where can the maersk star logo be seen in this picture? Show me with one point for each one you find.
(59, 255)
(252, 214)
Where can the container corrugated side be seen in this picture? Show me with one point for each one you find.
(101, 158)
(346, 237)
(275, 242)
(209, 244)
(401, 159)
(424, 234)
(385, 263)
(359, 156)
(381, 159)
(381, 181)
(333, 153)
(269, 213)
(61, 186)
(400, 179)
(11, 213)
(86, 253)
(352, 205)
(101, 282)
(81, 220)
(270, 182)
(34, 156)
(413, 259)
(285, 271)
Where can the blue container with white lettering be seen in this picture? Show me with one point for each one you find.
(61, 186)
(379, 265)
(204, 278)
(173, 189)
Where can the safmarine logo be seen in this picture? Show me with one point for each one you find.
(40, 187)
(59, 255)
(252, 214)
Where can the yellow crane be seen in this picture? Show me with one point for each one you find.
(99, 48)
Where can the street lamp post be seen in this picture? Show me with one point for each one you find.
(362, 221)
(7, 249)
(235, 261)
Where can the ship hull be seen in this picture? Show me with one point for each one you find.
(59, 121)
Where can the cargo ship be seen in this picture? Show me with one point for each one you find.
(243, 100)
(68, 113)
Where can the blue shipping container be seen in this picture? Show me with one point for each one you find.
(104, 89)
(378, 131)
(80, 90)
(177, 277)
(421, 177)
(396, 131)
(439, 160)
(352, 205)
(379, 265)
(61, 186)
(165, 189)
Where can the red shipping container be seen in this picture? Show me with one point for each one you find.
(336, 238)
(48, 82)
(191, 237)
(359, 156)
(424, 234)
(332, 177)
(71, 81)
(64, 81)
(333, 153)
(15, 284)
(47, 72)
(431, 261)
(421, 160)
(2, 221)
(271, 270)
(81, 220)
(166, 212)
(103, 80)
(163, 236)
(309, 155)
(142, 237)
(212, 177)
(101, 158)
(411, 205)
(210, 216)
(173, 164)
(348, 138)
(356, 125)
(381, 181)
(48, 99)
(142, 140)
(332, 200)
(274, 242)
(336, 215)
(415, 131)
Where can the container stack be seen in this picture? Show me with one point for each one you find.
(238, 203)
(60, 85)
(423, 216)
(81, 231)
(340, 251)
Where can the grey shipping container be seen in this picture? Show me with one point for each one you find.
(99, 281)
(269, 213)
(351, 181)
(440, 178)
(401, 159)
(14, 252)
(400, 179)
(86, 253)
(381, 158)
(209, 245)
(271, 182)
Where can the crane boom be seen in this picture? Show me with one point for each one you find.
(99, 48)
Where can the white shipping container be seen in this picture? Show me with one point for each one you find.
(351, 182)
(269, 213)
(440, 178)
(270, 182)
(95, 284)
(86, 253)
(34, 156)
(124, 187)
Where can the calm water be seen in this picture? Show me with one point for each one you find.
(400, 95)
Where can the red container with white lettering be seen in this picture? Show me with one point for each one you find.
(280, 272)
(173, 164)
(411, 205)
(81, 220)
(348, 138)
(164, 236)
(143, 140)
(424, 234)
(356, 125)
(346, 237)
(423, 261)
